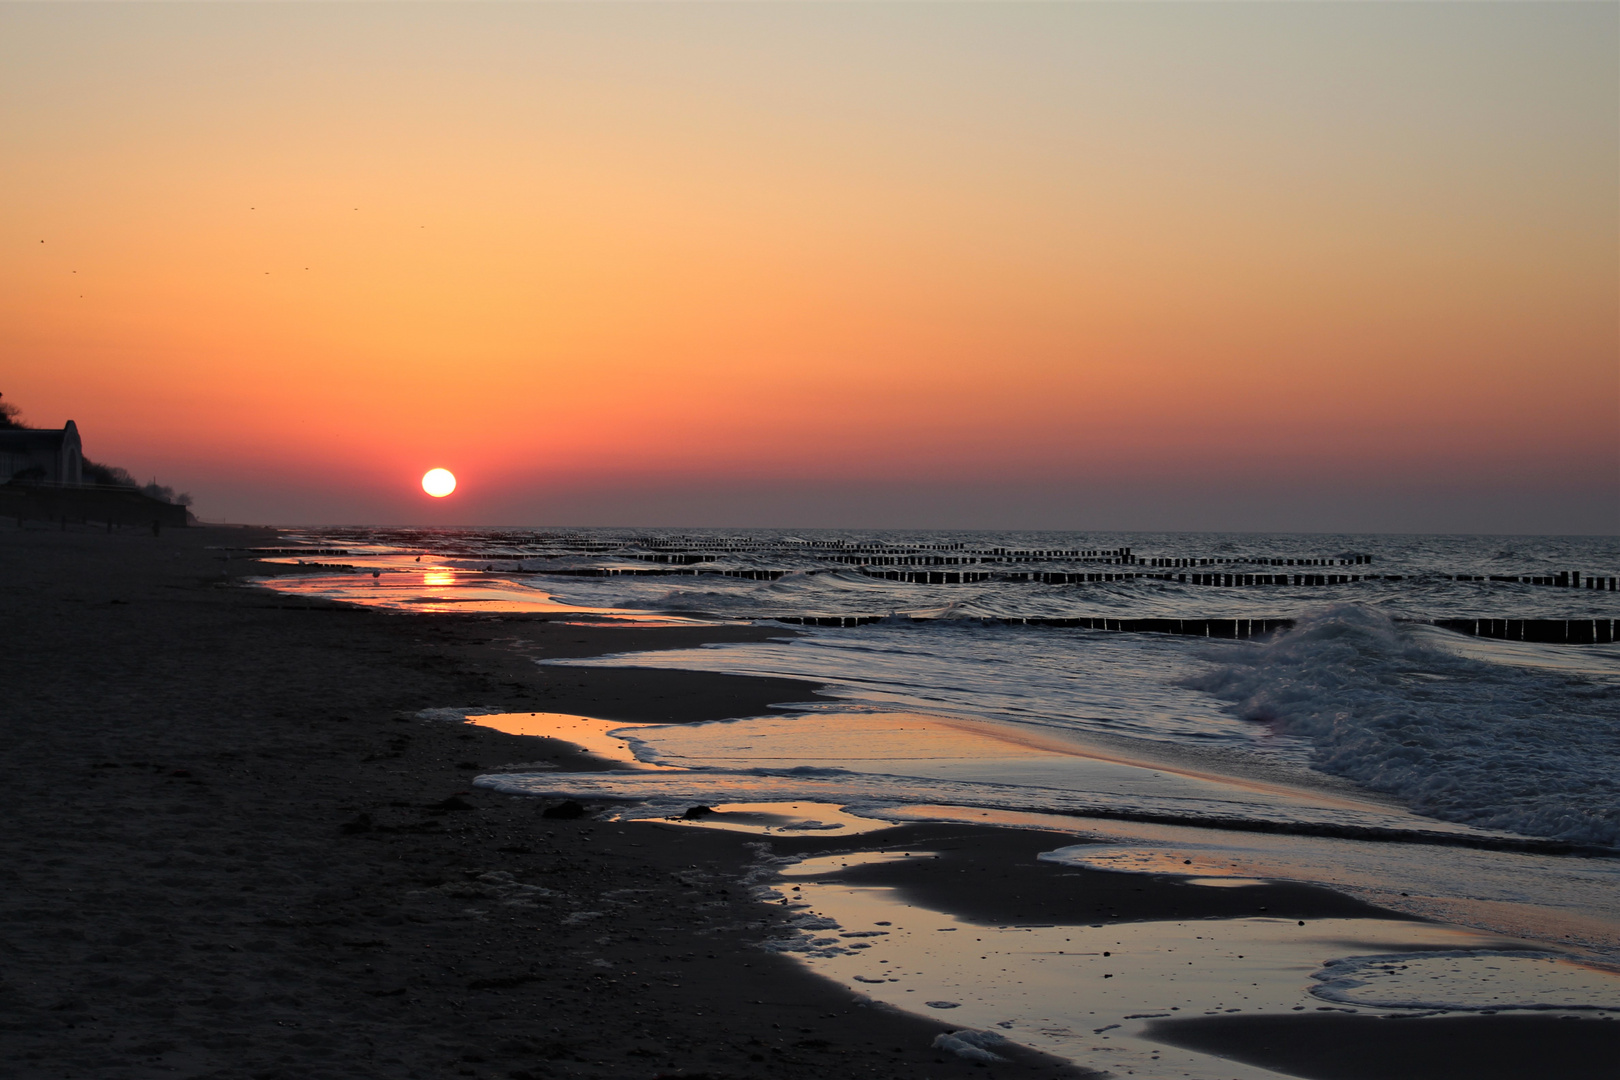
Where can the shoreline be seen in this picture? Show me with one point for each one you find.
(237, 850)
(231, 854)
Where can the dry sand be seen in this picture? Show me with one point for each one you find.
(229, 852)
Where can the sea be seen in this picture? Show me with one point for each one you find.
(1428, 723)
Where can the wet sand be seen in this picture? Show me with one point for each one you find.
(230, 850)
(992, 876)
(1427, 1048)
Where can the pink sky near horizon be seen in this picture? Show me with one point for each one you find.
(1101, 266)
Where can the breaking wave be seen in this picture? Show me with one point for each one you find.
(1496, 746)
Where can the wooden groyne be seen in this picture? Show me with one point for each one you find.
(1569, 579)
(1083, 577)
(1216, 580)
(637, 571)
(1205, 579)
(685, 551)
(962, 564)
(1212, 628)
(1540, 631)
(968, 577)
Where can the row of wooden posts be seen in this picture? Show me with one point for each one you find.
(1569, 579)
(1222, 579)
(1120, 557)
(690, 551)
(968, 577)
(1543, 631)
(1060, 577)
(692, 564)
(1219, 628)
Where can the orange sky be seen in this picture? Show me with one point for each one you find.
(1092, 266)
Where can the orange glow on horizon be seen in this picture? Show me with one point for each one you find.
(579, 249)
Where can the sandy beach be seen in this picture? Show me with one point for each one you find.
(232, 852)
(234, 849)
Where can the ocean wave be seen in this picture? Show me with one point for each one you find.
(1494, 746)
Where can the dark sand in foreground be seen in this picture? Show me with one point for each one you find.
(228, 850)
(232, 851)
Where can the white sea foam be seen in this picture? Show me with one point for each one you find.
(1476, 980)
(662, 794)
(1068, 679)
(973, 1045)
(1491, 745)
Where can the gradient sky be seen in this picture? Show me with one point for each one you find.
(1209, 266)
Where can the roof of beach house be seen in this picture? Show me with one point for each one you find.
(23, 440)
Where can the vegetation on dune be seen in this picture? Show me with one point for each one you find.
(9, 414)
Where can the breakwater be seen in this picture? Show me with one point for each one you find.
(1542, 631)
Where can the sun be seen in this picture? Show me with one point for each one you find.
(438, 482)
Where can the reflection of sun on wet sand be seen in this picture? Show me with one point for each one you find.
(401, 586)
(595, 737)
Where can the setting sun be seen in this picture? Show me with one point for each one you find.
(438, 482)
